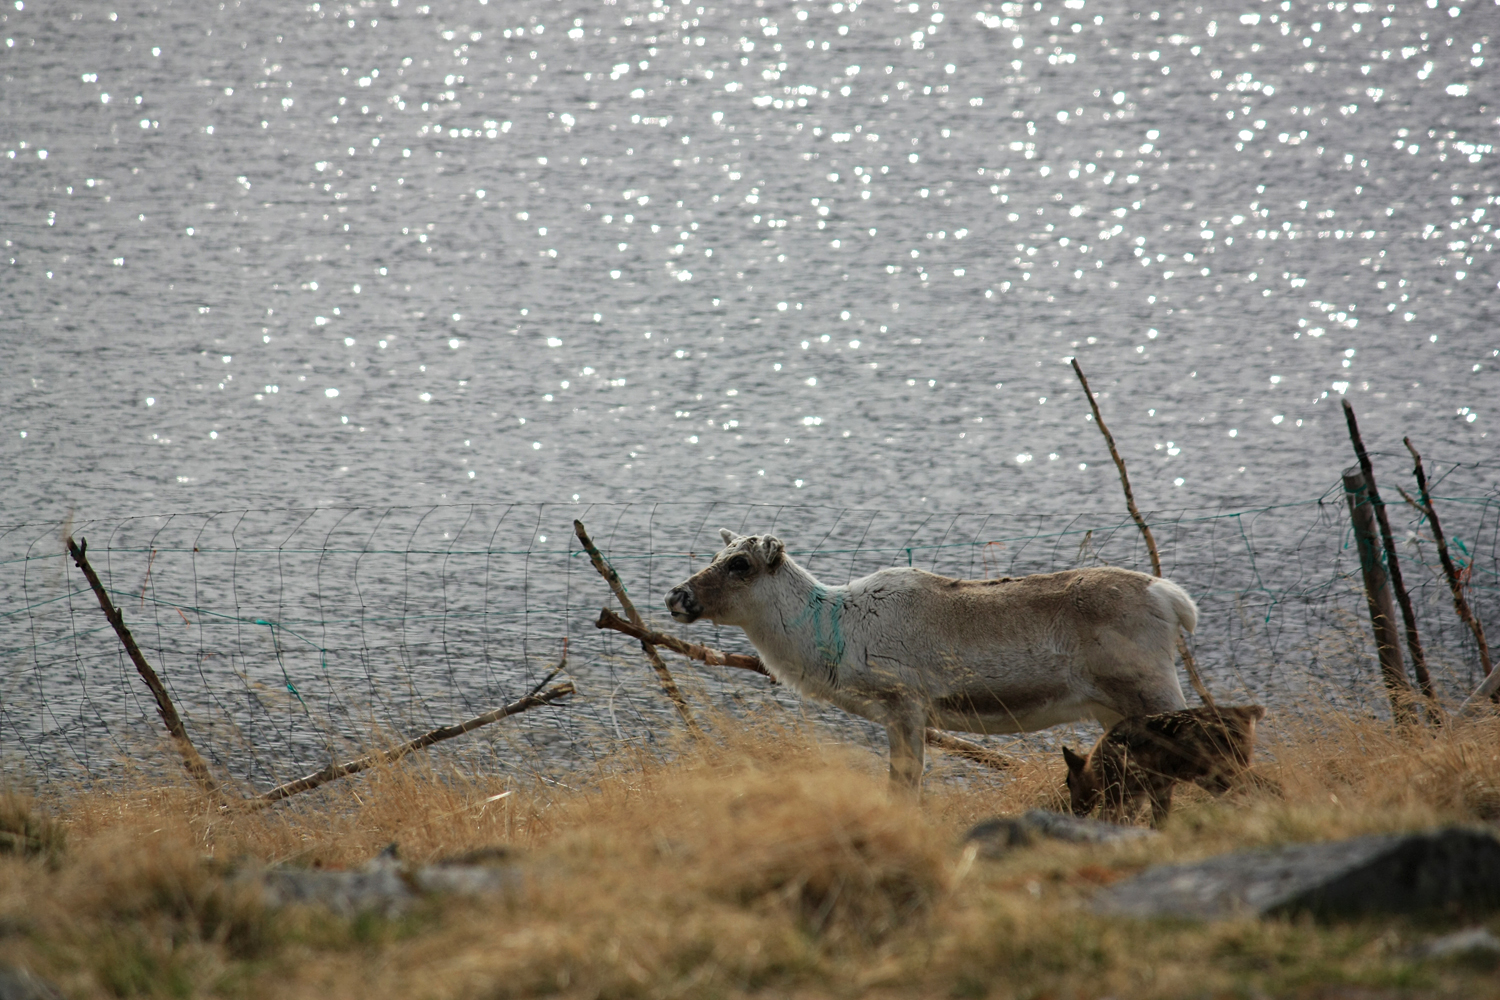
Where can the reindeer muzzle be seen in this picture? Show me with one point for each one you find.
(683, 605)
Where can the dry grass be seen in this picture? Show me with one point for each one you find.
(768, 864)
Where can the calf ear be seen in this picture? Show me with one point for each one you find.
(727, 535)
(772, 551)
(1075, 762)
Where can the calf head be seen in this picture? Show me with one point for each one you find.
(1083, 783)
(724, 591)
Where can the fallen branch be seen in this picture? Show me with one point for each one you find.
(691, 650)
(740, 661)
(191, 759)
(663, 675)
(1393, 564)
(1140, 522)
(967, 750)
(1460, 604)
(333, 771)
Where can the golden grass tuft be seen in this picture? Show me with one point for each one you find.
(26, 830)
(764, 863)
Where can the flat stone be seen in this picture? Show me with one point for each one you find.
(1473, 942)
(379, 887)
(1451, 870)
(384, 885)
(19, 984)
(466, 880)
(996, 837)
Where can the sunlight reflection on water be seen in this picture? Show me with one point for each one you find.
(558, 231)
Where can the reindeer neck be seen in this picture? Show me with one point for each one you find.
(810, 639)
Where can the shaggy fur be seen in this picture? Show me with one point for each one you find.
(1144, 757)
(909, 649)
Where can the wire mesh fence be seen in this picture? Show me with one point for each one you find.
(288, 638)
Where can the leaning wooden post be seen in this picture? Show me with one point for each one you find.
(663, 675)
(1140, 522)
(1379, 597)
(1408, 616)
(190, 757)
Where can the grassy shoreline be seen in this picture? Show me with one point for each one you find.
(766, 864)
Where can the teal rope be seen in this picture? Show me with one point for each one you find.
(1260, 584)
(282, 664)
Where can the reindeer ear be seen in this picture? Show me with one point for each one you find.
(1075, 762)
(772, 551)
(727, 535)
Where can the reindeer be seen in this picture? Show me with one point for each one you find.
(1145, 757)
(910, 649)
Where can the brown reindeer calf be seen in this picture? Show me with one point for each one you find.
(1146, 755)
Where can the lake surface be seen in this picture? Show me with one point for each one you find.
(794, 253)
(813, 256)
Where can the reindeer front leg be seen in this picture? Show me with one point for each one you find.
(907, 732)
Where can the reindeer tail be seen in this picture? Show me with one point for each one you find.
(1184, 610)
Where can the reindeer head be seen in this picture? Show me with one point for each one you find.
(720, 590)
(1083, 783)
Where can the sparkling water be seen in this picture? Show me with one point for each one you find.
(830, 253)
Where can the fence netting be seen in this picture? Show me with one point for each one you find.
(289, 638)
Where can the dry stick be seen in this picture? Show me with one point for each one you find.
(714, 657)
(1140, 522)
(1460, 604)
(967, 750)
(1408, 616)
(668, 684)
(691, 650)
(333, 771)
(190, 758)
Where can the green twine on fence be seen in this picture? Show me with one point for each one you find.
(276, 645)
(1260, 583)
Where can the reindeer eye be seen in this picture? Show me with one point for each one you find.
(738, 564)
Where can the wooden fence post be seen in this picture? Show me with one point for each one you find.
(1380, 597)
(1393, 566)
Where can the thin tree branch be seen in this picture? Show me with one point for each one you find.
(1140, 522)
(663, 675)
(1460, 604)
(334, 771)
(190, 757)
(691, 650)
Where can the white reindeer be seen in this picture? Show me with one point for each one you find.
(910, 649)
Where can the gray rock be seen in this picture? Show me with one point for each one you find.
(466, 880)
(379, 887)
(996, 837)
(19, 984)
(1446, 870)
(1473, 942)
(385, 885)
